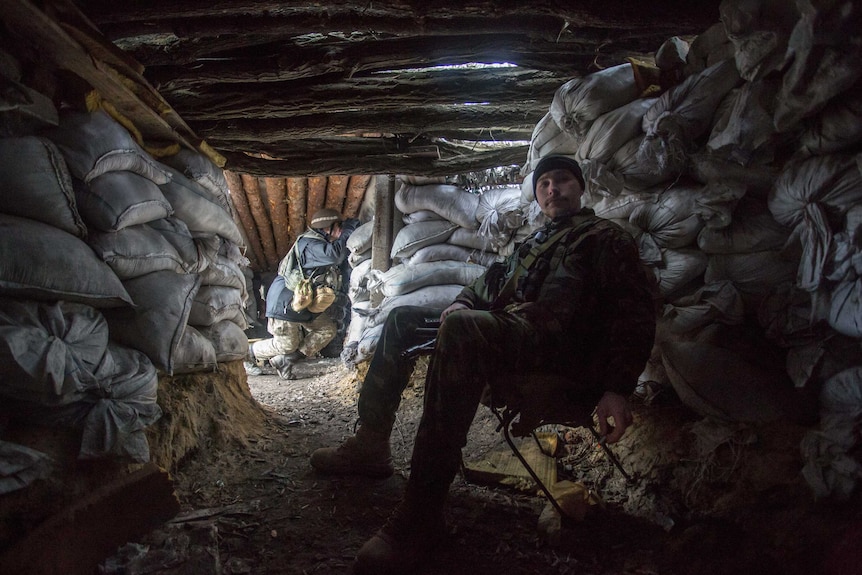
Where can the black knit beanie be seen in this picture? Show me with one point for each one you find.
(549, 163)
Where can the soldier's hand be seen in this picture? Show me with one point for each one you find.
(613, 405)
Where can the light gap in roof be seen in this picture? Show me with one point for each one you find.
(467, 66)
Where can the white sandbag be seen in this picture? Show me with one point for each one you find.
(671, 56)
(359, 274)
(368, 343)
(41, 262)
(471, 239)
(135, 251)
(548, 139)
(845, 311)
(707, 168)
(837, 127)
(229, 340)
(502, 206)
(831, 467)
(622, 206)
(759, 31)
(119, 199)
(213, 304)
(612, 130)
(670, 221)
(683, 114)
(49, 352)
(199, 168)
(751, 229)
(35, 184)
(823, 60)
(440, 252)
(360, 240)
(164, 301)
(707, 49)
(411, 238)
(453, 203)
(578, 102)
(116, 424)
(420, 216)
(94, 144)
(223, 272)
(717, 383)
(355, 260)
(196, 206)
(754, 274)
(748, 134)
(195, 353)
(677, 269)
(437, 296)
(403, 278)
(626, 172)
(815, 194)
(715, 302)
(357, 324)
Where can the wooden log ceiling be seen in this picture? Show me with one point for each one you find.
(294, 89)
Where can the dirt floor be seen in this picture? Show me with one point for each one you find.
(738, 506)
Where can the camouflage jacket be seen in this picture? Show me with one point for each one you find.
(589, 298)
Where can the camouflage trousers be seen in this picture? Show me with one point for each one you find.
(288, 336)
(473, 349)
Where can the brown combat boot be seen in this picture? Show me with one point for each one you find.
(366, 453)
(406, 542)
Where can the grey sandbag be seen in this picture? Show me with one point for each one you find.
(49, 352)
(35, 183)
(164, 301)
(93, 143)
(199, 168)
(135, 251)
(119, 199)
(196, 206)
(229, 340)
(38, 261)
(213, 304)
(116, 424)
(196, 353)
(20, 466)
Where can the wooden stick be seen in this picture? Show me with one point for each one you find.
(276, 195)
(243, 212)
(261, 219)
(356, 191)
(297, 194)
(316, 195)
(336, 190)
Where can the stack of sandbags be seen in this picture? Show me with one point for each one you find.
(150, 222)
(449, 238)
(57, 365)
(742, 185)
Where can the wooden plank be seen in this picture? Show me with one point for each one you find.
(243, 211)
(297, 196)
(261, 219)
(276, 195)
(356, 190)
(77, 539)
(336, 191)
(316, 195)
(502, 466)
(48, 37)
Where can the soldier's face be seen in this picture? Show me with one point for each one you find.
(558, 193)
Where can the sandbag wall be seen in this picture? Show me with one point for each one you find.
(114, 267)
(449, 237)
(738, 173)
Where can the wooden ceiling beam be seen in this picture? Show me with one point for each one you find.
(392, 164)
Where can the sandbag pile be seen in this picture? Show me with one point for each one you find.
(449, 238)
(110, 262)
(167, 231)
(740, 179)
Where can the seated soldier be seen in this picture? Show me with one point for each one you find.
(573, 300)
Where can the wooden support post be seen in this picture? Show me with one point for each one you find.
(336, 190)
(297, 197)
(276, 195)
(316, 195)
(261, 219)
(381, 241)
(240, 203)
(356, 190)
